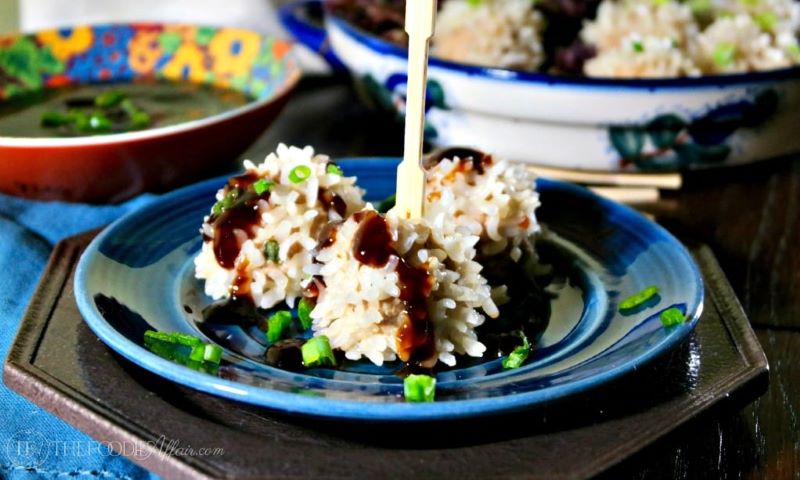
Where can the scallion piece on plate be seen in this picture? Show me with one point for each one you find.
(304, 312)
(317, 352)
(184, 349)
(278, 325)
(262, 185)
(639, 299)
(300, 174)
(140, 120)
(518, 356)
(387, 203)
(637, 46)
(419, 388)
(334, 169)
(671, 316)
(272, 251)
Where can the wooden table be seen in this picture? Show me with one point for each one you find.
(751, 219)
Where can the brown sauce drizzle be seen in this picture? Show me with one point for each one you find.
(373, 242)
(332, 201)
(469, 157)
(373, 246)
(242, 215)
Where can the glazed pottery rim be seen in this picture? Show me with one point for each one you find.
(290, 80)
(384, 47)
(351, 410)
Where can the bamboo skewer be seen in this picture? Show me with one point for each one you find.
(420, 16)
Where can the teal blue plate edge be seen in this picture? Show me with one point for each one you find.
(293, 403)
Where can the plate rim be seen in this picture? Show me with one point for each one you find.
(359, 410)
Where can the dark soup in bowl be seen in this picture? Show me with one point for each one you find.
(96, 109)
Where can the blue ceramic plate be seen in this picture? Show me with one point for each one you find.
(137, 275)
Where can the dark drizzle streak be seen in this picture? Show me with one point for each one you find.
(332, 201)
(373, 246)
(476, 158)
(242, 215)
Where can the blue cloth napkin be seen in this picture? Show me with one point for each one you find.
(34, 443)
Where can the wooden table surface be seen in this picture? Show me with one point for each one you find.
(750, 217)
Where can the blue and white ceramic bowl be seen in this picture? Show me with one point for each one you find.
(138, 275)
(597, 124)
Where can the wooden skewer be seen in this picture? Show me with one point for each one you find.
(420, 17)
(665, 181)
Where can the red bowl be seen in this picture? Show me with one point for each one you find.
(118, 166)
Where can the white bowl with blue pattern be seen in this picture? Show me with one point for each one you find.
(577, 122)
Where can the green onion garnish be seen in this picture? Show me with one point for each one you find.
(317, 353)
(99, 122)
(55, 119)
(672, 316)
(700, 8)
(140, 120)
(262, 186)
(278, 325)
(108, 99)
(724, 54)
(518, 356)
(419, 388)
(766, 20)
(794, 50)
(184, 349)
(639, 299)
(272, 251)
(387, 203)
(334, 169)
(227, 202)
(637, 46)
(299, 174)
(304, 309)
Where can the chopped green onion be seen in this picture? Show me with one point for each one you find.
(639, 299)
(227, 202)
(272, 251)
(387, 203)
(140, 120)
(659, 3)
(518, 356)
(700, 8)
(278, 324)
(99, 122)
(317, 352)
(300, 174)
(80, 120)
(55, 119)
(794, 50)
(637, 46)
(419, 388)
(304, 309)
(334, 169)
(128, 107)
(184, 349)
(262, 185)
(766, 20)
(474, 3)
(672, 316)
(109, 99)
(724, 54)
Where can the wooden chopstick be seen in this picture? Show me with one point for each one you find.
(629, 195)
(665, 181)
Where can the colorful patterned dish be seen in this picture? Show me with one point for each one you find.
(597, 124)
(138, 275)
(113, 167)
